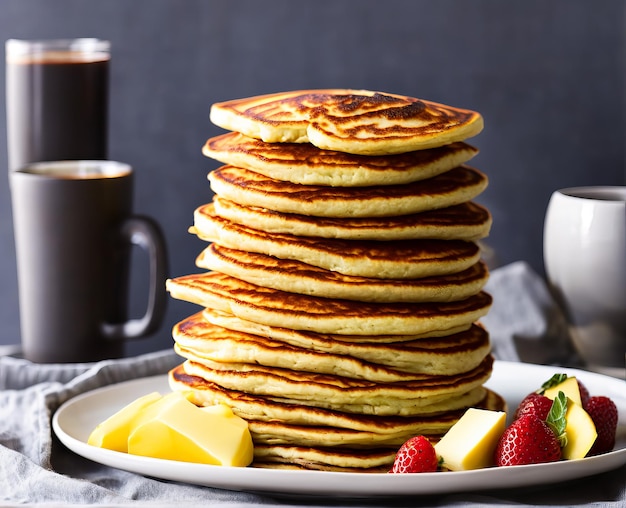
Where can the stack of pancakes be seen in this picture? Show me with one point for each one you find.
(343, 282)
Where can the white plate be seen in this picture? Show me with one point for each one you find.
(74, 421)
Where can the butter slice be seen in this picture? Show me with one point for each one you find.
(113, 432)
(471, 441)
(580, 431)
(569, 387)
(176, 429)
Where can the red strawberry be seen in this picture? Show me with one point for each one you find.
(603, 412)
(417, 455)
(527, 440)
(535, 404)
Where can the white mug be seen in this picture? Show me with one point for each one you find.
(585, 262)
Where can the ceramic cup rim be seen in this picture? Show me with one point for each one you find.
(600, 193)
(78, 169)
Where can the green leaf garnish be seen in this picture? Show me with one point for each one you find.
(553, 381)
(556, 418)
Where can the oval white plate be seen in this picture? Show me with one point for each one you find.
(75, 419)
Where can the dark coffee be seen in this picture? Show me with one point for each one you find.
(57, 107)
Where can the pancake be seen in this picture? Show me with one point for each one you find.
(285, 432)
(327, 341)
(378, 460)
(467, 221)
(429, 395)
(350, 121)
(456, 351)
(303, 163)
(248, 188)
(298, 277)
(281, 433)
(399, 259)
(323, 315)
(197, 338)
(199, 341)
(267, 409)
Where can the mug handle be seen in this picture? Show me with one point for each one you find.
(143, 232)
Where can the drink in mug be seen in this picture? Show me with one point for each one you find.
(57, 100)
(74, 230)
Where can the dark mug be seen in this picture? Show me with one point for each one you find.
(74, 230)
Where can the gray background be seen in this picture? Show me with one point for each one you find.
(548, 76)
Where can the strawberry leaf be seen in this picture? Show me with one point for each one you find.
(556, 418)
(553, 381)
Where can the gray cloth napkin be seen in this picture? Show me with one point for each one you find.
(525, 323)
(36, 469)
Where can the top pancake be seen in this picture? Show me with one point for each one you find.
(305, 164)
(351, 121)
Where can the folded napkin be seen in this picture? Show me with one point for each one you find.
(525, 323)
(36, 469)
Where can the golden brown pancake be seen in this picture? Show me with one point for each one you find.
(277, 432)
(259, 408)
(400, 259)
(298, 277)
(324, 315)
(248, 188)
(281, 433)
(429, 395)
(232, 322)
(467, 221)
(225, 346)
(443, 352)
(354, 460)
(267, 409)
(351, 121)
(197, 338)
(303, 163)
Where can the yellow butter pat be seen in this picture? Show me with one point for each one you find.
(569, 387)
(176, 429)
(580, 432)
(471, 441)
(113, 432)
